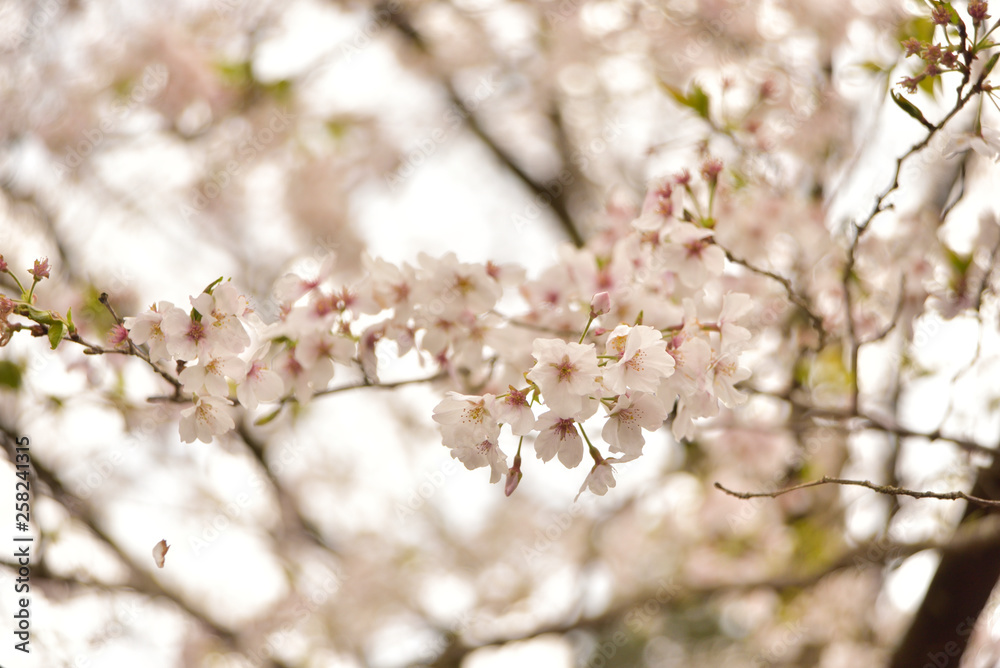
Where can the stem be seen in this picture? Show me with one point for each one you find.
(594, 452)
(586, 329)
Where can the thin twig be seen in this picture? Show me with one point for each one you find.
(890, 490)
(793, 296)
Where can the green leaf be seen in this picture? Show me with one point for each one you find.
(960, 263)
(921, 27)
(69, 319)
(55, 334)
(909, 108)
(211, 286)
(990, 65)
(10, 375)
(697, 99)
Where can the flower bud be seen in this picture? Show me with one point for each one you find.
(600, 304)
(514, 476)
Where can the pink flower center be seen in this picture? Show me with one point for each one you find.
(565, 368)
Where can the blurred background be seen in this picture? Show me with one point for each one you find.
(147, 148)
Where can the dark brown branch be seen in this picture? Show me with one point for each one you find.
(557, 201)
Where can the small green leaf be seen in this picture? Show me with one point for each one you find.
(55, 334)
(909, 108)
(69, 319)
(10, 375)
(211, 286)
(920, 27)
(989, 66)
(697, 99)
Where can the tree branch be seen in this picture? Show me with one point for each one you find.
(881, 489)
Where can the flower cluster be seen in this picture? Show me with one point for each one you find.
(652, 347)
(651, 341)
(209, 344)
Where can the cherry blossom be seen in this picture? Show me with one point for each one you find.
(466, 420)
(632, 413)
(642, 359)
(513, 409)
(601, 477)
(558, 436)
(566, 373)
(210, 416)
(210, 376)
(291, 287)
(147, 328)
(691, 255)
(259, 384)
(222, 314)
(484, 453)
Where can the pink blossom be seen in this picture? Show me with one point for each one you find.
(558, 436)
(631, 414)
(566, 373)
(210, 416)
(642, 359)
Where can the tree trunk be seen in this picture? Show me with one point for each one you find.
(958, 592)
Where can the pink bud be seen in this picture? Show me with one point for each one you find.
(600, 304)
(513, 479)
(514, 475)
(3, 265)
